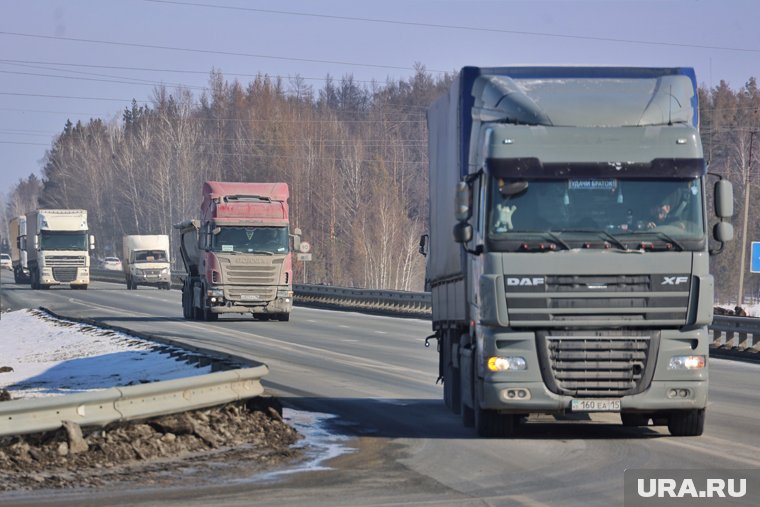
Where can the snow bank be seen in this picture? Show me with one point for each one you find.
(53, 357)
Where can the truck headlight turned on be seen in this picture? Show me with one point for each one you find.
(568, 248)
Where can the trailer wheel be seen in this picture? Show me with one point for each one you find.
(452, 385)
(690, 423)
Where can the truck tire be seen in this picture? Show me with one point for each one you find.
(452, 385)
(490, 423)
(689, 423)
(283, 317)
(34, 280)
(17, 276)
(632, 420)
(210, 316)
(187, 310)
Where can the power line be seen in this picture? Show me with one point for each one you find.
(459, 27)
(176, 71)
(108, 99)
(151, 83)
(203, 51)
(24, 143)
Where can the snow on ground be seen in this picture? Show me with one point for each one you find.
(53, 357)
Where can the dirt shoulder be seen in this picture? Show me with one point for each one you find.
(230, 440)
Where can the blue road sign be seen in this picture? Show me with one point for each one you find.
(755, 264)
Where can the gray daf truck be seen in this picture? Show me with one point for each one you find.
(569, 245)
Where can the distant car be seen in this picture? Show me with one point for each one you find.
(5, 262)
(111, 263)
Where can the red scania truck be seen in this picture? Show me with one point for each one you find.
(238, 254)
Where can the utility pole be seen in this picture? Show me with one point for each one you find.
(740, 299)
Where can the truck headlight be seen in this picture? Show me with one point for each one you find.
(165, 271)
(216, 293)
(686, 363)
(284, 293)
(509, 363)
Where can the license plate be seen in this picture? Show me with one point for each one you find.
(595, 405)
(249, 297)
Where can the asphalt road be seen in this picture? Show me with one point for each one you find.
(375, 374)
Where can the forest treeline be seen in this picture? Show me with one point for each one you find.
(354, 155)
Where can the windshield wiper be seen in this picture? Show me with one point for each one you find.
(614, 240)
(261, 252)
(557, 240)
(665, 237)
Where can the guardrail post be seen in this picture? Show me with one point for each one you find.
(729, 339)
(717, 337)
(744, 340)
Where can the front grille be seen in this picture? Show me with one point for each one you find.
(65, 274)
(65, 261)
(609, 300)
(151, 272)
(597, 366)
(251, 274)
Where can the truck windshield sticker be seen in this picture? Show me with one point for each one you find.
(592, 184)
(249, 234)
(227, 248)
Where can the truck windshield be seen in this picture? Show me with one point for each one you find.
(63, 240)
(613, 210)
(143, 256)
(273, 240)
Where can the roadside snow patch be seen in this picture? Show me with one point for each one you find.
(53, 357)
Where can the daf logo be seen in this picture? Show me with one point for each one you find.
(531, 282)
(675, 280)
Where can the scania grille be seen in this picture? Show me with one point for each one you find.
(614, 300)
(597, 366)
(65, 261)
(251, 275)
(65, 274)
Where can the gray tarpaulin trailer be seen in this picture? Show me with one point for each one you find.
(568, 245)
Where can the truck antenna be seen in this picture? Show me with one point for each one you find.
(670, 106)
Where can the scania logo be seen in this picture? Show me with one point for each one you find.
(674, 280)
(525, 281)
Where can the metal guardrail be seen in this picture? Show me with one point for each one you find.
(728, 331)
(387, 301)
(132, 402)
(741, 333)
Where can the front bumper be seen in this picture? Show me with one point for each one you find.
(541, 400)
(82, 277)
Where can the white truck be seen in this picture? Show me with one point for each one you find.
(145, 261)
(17, 233)
(57, 247)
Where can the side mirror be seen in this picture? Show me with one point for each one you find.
(92, 242)
(724, 199)
(723, 232)
(297, 231)
(21, 240)
(462, 232)
(462, 200)
(424, 244)
(36, 242)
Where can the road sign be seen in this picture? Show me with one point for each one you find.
(303, 256)
(754, 266)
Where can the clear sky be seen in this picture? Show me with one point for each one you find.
(64, 59)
